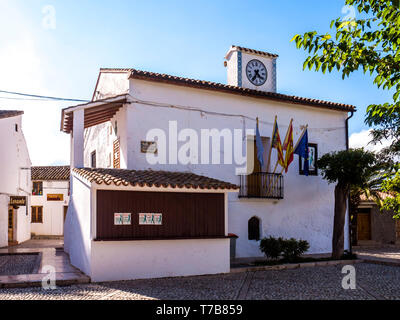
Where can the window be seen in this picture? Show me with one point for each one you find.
(16, 127)
(313, 154)
(93, 159)
(37, 188)
(254, 229)
(37, 214)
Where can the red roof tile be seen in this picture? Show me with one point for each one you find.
(50, 173)
(149, 178)
(10, 113)
(262, 53)
(208, 85)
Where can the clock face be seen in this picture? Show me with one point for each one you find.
(256, 72)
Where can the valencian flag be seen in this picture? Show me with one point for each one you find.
(302, 150)
(288, 147)
(259, 145)
(277, 144)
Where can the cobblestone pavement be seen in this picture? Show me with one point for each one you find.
(373, 282)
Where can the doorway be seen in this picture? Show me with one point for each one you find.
(10, 224)
(65, 212)
(364, 224)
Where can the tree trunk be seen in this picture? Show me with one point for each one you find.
(341, 192)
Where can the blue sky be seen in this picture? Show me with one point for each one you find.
(184, 38)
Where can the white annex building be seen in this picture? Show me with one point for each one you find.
(50, 198)
(15, 181)
(118, 153)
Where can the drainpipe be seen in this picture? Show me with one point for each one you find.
(348, 199)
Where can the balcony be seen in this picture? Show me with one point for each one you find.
(261, 185)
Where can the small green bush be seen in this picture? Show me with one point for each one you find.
(289, 249)
(271, 247)
(293, 249)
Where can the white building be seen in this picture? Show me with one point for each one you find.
(113, 130)
(15, 182)
(50, 198)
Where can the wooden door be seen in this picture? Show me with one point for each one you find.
(397, 229)
(10, 224)
(364, 226)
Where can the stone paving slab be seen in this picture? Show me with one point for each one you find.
(51, 254)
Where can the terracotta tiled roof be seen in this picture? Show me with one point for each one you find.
(149, 178)
(10, 113)
(201, 84)
(263, 53)
(50, 173)
(382, 195)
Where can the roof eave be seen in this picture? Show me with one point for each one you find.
(243, 91)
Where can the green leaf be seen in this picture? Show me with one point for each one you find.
(295, 37)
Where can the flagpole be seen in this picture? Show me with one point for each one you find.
(270, 147)
(301, 137)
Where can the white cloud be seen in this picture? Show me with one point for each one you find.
(363, 138)
(21, 70)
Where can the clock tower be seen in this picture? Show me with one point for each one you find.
(251, 69)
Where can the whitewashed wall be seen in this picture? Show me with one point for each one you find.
(128, 260)
(53, 211)
(110, 84)
(101, 139)
(77, 228)
(307, 209)
(4, 201)
(14, 178)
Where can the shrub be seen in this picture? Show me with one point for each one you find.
(290, 249)
(271, 247)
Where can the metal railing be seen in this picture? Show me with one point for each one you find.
(261, 185)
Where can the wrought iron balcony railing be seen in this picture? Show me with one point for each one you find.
(261, 185)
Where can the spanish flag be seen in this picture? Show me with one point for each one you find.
(288, 147)
(277, 144)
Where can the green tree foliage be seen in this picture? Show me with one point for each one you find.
(348, 169)
(391, 186)
(371, 43)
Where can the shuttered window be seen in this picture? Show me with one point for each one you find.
(37, 188)
(117, 155)
(37, 214)
(254, 229)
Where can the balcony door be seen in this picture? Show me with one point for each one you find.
(256, 181)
